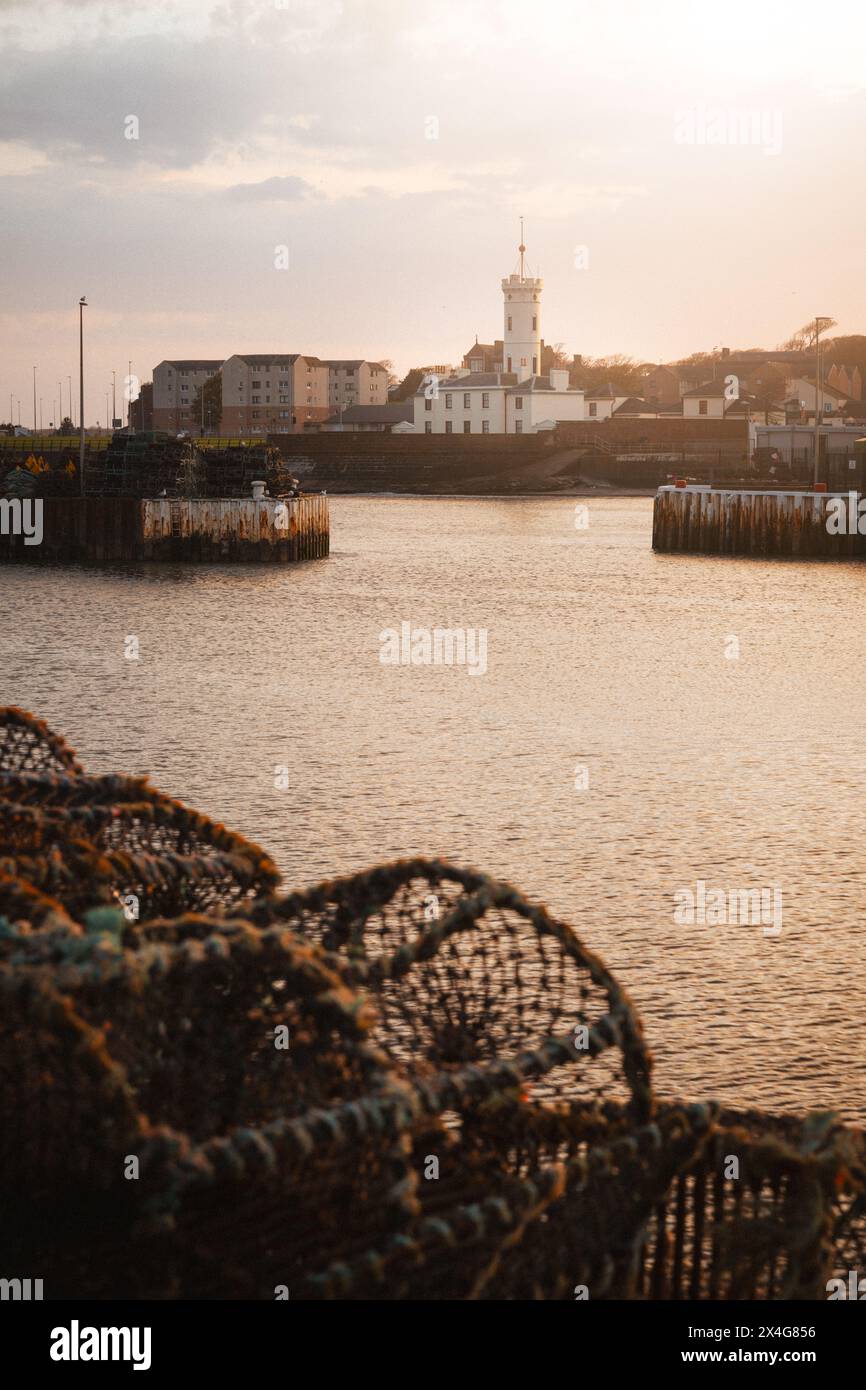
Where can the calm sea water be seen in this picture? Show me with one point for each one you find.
(742, 771)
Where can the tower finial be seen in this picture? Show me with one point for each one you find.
(521, 248)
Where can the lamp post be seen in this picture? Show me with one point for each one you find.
(82, 305)
(34, 400)
(113, 397)
(69, 382)
(819, 394)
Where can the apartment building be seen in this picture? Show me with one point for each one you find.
(273, 393)
(175, 383)
(353, 381)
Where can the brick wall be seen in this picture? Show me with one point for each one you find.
(670, 430)
(391, 461)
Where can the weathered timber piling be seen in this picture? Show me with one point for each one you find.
(110, 530)
(719, 521)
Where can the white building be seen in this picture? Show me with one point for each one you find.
(516, 400)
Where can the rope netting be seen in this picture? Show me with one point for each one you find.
(408, 1083)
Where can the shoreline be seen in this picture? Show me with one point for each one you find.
(505, 496)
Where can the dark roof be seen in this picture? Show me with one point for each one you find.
(194, 364)
(276, 359)
(474, 381)
(635, 405)
(537, 384)
(606, 392)
(392, 414)
(707, 388)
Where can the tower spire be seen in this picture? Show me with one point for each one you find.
(522, 249)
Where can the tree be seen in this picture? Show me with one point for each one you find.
(804, 338)
(213, 404)
(622, 372)
(389, 368)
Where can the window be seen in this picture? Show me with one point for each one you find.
(534, 323)
(702, 407)
(467, 400)
(467, 426)
(284, 400)
(284, 414)
(485, 426)
(284, 385)
(593, 408)
(428, 404)
(518, 427)
(267, 383)
(257, 400)
(518, 402)
(485, 400)
(509, 323)
(448, 427)
(476, 364)
(256, 414)
(534, 365)
(428, 426)
(509, 364)
(523, 361)
(255, 385)
(447, 400)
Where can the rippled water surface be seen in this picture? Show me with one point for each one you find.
(743, 772)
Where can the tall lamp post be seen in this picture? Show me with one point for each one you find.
(82, 305)
(34, 400)
(820, 324)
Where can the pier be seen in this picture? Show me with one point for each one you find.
(107, 530)
(802, 524)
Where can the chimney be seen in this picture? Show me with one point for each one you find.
(559, 378)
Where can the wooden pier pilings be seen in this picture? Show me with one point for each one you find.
(217, 530)
(720, 521)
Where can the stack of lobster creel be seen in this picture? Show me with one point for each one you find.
(411, 1083)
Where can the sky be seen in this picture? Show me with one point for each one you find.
(345, 178)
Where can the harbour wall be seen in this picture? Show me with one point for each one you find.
(104, 530)
(783, 522)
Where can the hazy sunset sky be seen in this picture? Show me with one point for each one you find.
(305, 123)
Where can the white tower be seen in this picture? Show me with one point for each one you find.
(521, 338)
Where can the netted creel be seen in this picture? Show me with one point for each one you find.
(409, 1083)
(466, 972)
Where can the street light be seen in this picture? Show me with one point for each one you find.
(820, 323)
(82, 305)
(34, 400)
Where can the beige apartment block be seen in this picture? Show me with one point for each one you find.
(273, 393)
(175, 382)
(352, 381)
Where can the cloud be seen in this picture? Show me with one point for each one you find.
(286, 188)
